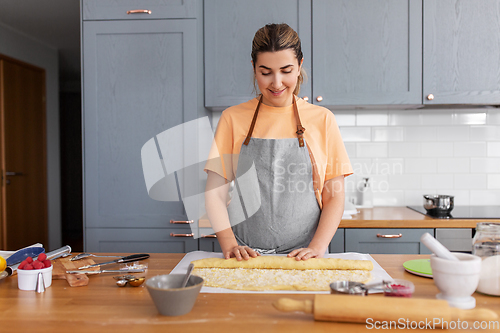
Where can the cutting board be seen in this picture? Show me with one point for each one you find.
(61, 265)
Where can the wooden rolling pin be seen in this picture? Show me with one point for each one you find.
(356, 309)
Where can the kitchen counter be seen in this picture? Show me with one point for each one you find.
(103, 307)
(403, 217)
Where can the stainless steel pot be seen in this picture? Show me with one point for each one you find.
(438, 204)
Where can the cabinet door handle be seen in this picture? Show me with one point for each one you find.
(305, 98)
(10, 173)
(181, 222)
(319, 98)
(181, 235)
(430, 97)
(390, 236)
(138, 11)
(208, 236)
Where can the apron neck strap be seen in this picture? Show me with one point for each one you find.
(300, 129)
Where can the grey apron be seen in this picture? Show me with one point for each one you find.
(274, 208)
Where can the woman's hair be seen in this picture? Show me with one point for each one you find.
(278, 37)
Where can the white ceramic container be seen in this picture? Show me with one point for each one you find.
(457, 280)
(26, 279)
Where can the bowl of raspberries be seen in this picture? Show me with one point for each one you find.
(28, 269)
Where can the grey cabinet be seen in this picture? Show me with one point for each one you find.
(229, 30)
(386, 241)
(461, 50)
(455, 239)
(137, 78)
(137, 10)
(138, 240)
(337, 243)
(367, 52)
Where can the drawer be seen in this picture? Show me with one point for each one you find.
(455, 239)
(208, 240)
(386, 241)
(132, 240)
(138, 10)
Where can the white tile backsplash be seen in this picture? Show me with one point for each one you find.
(436, 149)
(371, 119)
(493, 149)
(356, 134)
(453, 165)
(371, 149)
(414, 152)
(404, 149)
(494, 181)
(435, 181)
(469, 149)
(485, 133)
(453, 133)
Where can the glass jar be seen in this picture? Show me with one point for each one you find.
(486, 244)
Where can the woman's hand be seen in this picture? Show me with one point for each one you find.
(305, 253)
(241, 252)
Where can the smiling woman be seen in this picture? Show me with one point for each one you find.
(272, 211)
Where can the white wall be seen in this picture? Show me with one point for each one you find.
(19, 46)
(410, 153)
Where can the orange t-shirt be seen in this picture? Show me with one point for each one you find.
(322, 136)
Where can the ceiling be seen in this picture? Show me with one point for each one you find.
(56, 23)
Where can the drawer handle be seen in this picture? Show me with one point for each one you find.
(208, 236)
(181, 222)
(181, 235)
(138, 11)
(390, 236)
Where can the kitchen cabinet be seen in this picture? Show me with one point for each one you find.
(337, 243)
(137, 10)
(363, 52)
(386, 241)
(456, 239)
(461, 48)
(229, 30)
(136, 79)
(366, 52)
(136, 240)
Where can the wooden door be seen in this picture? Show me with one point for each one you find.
(22, 155)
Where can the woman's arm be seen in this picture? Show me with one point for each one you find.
(333, 208)
(216, 197)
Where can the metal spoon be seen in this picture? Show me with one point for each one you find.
(188, 274)
(86, 255)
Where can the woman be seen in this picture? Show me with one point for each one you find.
(289, 193)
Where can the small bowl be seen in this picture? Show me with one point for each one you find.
(347, 288)
(169, 298)
(399, 288)
(26, 279)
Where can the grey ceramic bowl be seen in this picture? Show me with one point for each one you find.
(169, 298)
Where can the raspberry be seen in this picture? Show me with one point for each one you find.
(29, 260)
(22, 264)
(42, 257)
(38, 265)
(47, 263)
(28, 267)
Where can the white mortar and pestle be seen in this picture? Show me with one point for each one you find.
(455, 274)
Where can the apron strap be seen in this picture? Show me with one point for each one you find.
(300, 128)
(249, 135)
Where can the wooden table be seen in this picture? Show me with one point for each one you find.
(103, 307)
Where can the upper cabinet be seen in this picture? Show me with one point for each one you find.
(363, 52)
(367, 52)
(138, 10)
(461, 52)
(229, 30)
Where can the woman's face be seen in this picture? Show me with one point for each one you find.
(276, 74)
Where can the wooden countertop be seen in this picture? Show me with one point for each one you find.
(394, 217)
(103, 307)
(403, 217)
